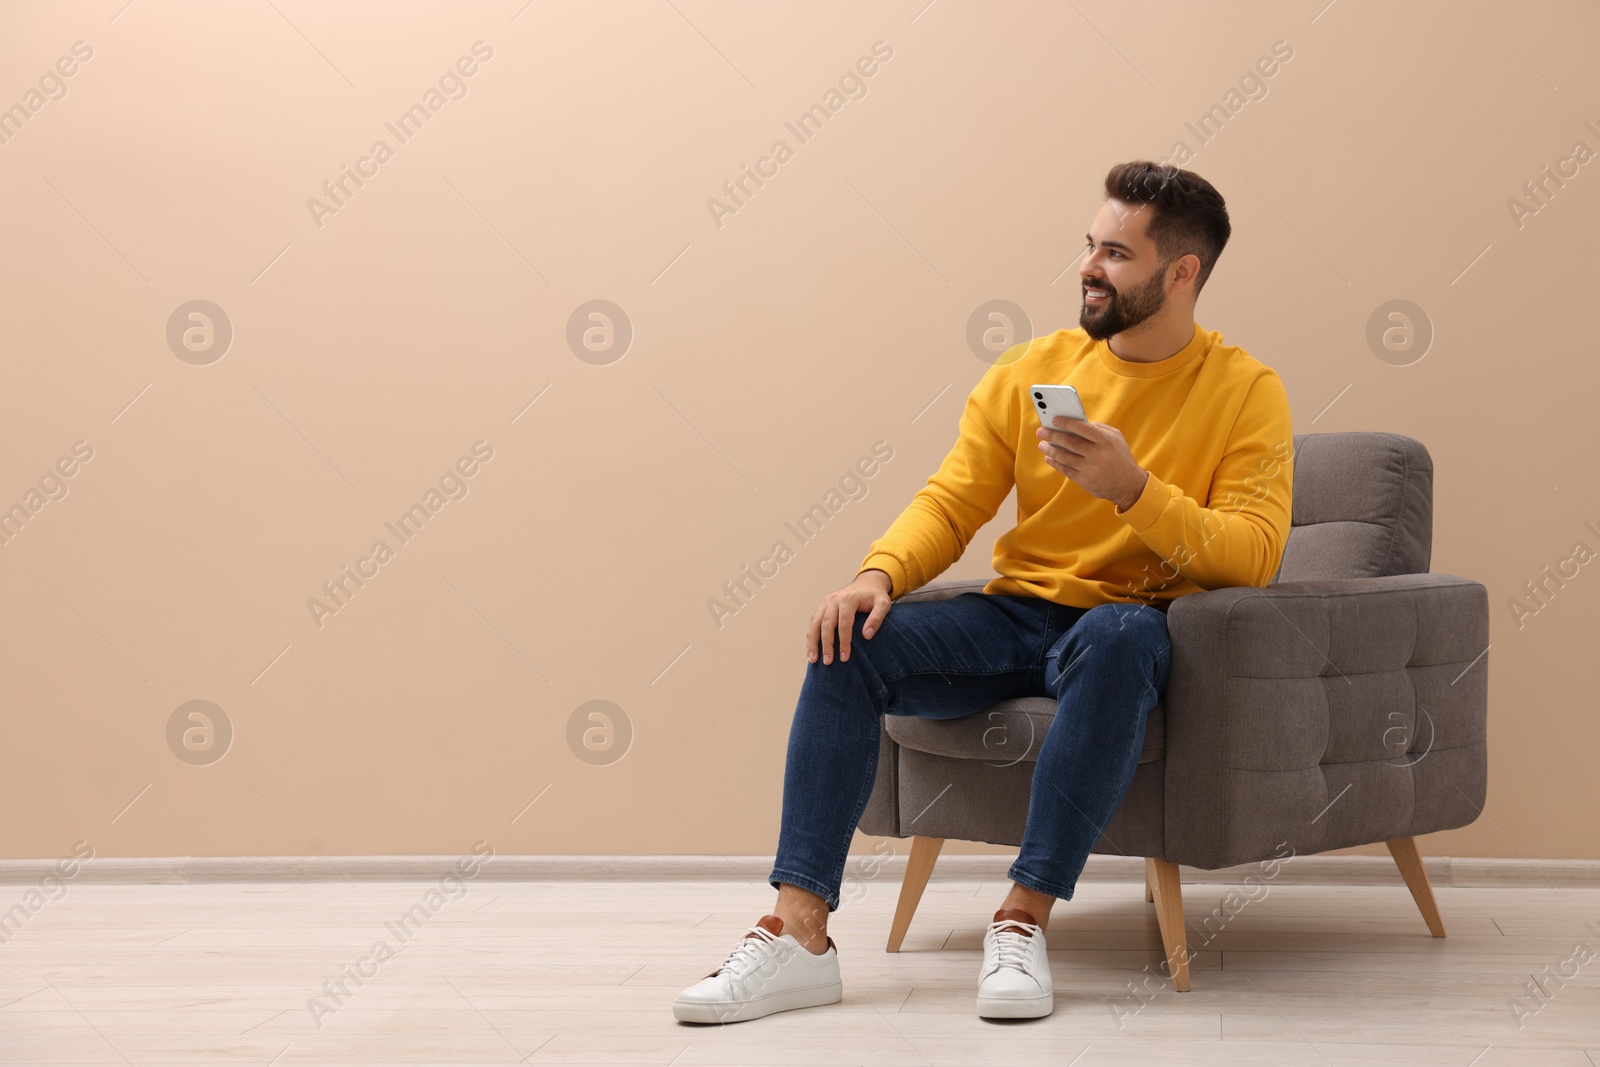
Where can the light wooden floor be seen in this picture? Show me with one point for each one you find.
(585, 972)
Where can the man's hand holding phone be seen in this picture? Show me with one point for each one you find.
(1093, 454)
(868, 592)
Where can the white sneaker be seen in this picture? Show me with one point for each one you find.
(767, 971)
(1014, 982)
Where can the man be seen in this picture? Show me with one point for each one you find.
(1180, 481)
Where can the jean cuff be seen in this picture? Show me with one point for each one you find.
(810, 885)
(1038, 885)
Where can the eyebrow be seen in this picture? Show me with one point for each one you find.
(1108, 244)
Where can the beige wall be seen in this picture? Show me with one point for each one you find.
(375, 344)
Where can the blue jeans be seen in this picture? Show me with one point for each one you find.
(1105, 666)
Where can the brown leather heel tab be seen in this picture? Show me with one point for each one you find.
(1015, 915)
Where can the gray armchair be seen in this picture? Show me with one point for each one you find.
(1345, 703)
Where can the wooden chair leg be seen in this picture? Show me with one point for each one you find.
(924, 851)
(1168, 893)
(1404, 851)
(1149, 891)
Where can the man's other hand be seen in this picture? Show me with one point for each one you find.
(868, 592)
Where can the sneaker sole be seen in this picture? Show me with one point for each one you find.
(741, 1011)
(1016, 1007)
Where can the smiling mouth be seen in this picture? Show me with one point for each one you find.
(1095, 296)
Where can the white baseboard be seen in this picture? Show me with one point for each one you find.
(1297, 870)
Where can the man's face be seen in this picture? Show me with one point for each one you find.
(1121, 264)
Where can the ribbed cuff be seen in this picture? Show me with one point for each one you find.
(1153, 500)
(889, 565)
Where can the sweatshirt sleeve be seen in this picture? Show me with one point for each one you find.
(1237, 536)
(962, 495)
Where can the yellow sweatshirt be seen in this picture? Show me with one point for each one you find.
(1211, 426)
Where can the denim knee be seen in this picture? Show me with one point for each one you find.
(1134, 633)
(1119, 626)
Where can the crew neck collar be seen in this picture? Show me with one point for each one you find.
(1177, 361)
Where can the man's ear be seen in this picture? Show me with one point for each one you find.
(1186, 268)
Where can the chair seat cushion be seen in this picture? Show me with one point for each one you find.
(1009, 732)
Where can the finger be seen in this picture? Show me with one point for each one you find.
(875, 618)
(1057, 456)
(1056, 433)
(847, 628)
(1074, 438)
(1065, 441)
(812, 632)
(827, 633)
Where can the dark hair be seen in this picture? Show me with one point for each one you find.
(1189, 215)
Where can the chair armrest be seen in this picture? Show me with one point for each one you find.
(944, 589)
(1324, 714)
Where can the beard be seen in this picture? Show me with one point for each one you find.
(1124, 310)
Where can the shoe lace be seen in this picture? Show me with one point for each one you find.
(1012, 948)
(753, 949)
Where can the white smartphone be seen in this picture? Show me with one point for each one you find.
(1052, 400)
